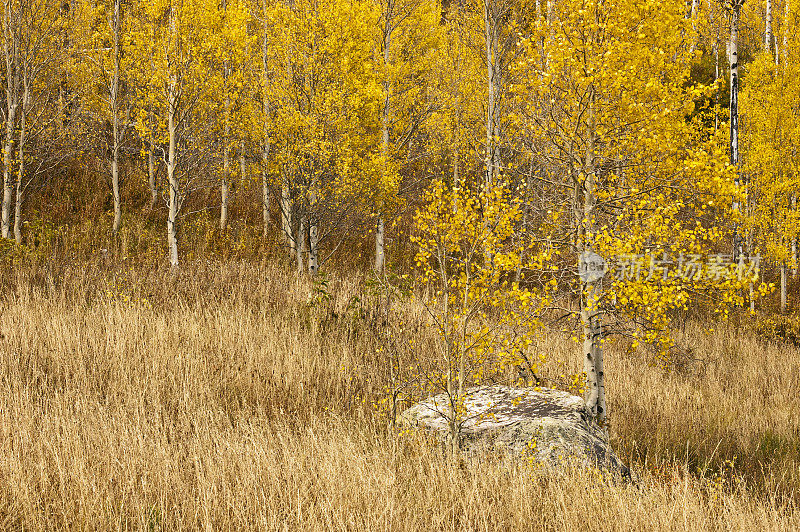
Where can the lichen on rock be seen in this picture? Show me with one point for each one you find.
(551, 427)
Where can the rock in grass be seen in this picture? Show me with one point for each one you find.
(548, 426)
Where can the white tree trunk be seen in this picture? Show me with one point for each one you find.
(794, 241)
(116, 193)
(380, 256)
(715, 47)
(265, 193)
(225, 187)
(595, 394)
(783, 287)
(786, 18)
(174, 189)
(313, 247)
(151, 176)
(734, 115)
(226, 164)
(492, 155)
(313, 229)
(768, 27)
(286, 213)
(18, 213)
(265, 196)
(172, 176)
(12, 99)
(387, 41)
(115, 129)
(20, 181)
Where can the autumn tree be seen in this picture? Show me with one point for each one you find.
(107, 61)
(232, 47)
(409, 33)
(485, 322)
(608, 117)
(769, 96)
(326, 119)
(174, 52)
(35, 55)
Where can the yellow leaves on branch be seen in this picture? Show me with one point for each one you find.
(467, 250)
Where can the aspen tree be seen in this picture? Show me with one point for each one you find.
(12, 28)
(770, 93)
(231, 45)
(266, 143)
(408, 30)
(502, 21)
(107, 64)
(174, 37)
(768, 27)
(735, 7)
(34, 55)
(452, 229)
(606, 111)
(117, 129)
(326, 116)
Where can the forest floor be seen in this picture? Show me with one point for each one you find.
(238, 396)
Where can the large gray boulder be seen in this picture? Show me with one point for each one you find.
(552, 427)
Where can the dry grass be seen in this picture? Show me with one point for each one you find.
(219, 398)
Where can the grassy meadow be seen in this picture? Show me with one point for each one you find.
(235, 395)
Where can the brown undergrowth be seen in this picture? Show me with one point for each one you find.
(239, 396)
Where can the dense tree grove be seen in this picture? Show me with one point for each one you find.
(531, 139)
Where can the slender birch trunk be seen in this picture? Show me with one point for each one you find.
(151, 176)
(226, 150)
(734, 115)
(174, 187)
(692, 15)
(794, 240)
(453, 419)
(172, 176)
(783, 287)
(115, 188)
(380, 257)
(10, 46)
(20, 187)
(786, 18)
(115, 129)
(768, 27)
(595, 395)
(313, 230)
(286, 213)
(225, 185)
(265, 191)
(20, 193)
(313, 246)
(226, 139)
(715, 46)
(380, 237)
(20, 183)
(151, 155)
(491, 162)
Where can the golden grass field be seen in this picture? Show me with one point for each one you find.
(218, 398)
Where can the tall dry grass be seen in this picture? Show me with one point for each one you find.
(239, 396)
